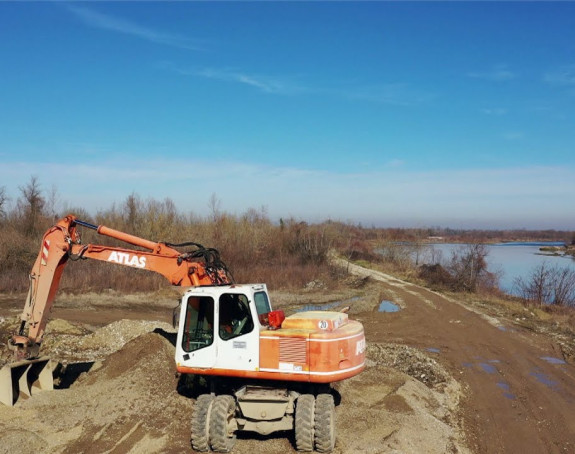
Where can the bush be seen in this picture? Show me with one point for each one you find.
(548, 285)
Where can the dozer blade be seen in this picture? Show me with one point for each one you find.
(22, 379)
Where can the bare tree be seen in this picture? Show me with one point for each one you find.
(31, 205)
(435, 255)
(3, 201)
(52, 202)
(563, 281)
(468, 267)
(537, 289)
(132, 212)
(398, 253)
(214, 205)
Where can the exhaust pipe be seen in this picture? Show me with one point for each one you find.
(22, 379)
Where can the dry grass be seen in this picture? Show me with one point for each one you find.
(288, 255)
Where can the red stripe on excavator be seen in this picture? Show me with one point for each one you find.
(45, 252)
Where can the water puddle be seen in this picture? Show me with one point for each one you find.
(326, 306)
(433, 350)
(552, 360)
(319, 307)
(505, 387)
(388, 306)
(541, 377)
(488, 368)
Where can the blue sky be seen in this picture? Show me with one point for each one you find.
(457, 114)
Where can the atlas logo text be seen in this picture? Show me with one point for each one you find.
(124, 258)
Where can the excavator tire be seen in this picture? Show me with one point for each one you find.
(324, 418)
(222, 424)
(304, 422)
(201, 423)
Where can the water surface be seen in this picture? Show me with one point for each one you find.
(509, 260)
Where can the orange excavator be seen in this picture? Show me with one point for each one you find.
(265, 372)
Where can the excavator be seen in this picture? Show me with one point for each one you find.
(264, 372)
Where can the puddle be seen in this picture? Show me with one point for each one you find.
(467, 365)
(433, 350)
(319, 307)
(326, 306)
(543, 378)
(502, 328)
(488, 368)
(505, 387)
(552, 360)
(388, 306)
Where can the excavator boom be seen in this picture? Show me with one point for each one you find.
(62, 243)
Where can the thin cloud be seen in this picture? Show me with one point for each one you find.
(262, 83)
(398, 94)
(115, 24)
(498, 74)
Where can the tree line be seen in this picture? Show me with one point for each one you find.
(286, 253)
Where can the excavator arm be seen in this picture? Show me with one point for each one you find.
(62, 242)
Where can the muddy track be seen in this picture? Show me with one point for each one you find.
(519, 390)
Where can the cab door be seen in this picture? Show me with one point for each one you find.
(196, 342)
(238, 333)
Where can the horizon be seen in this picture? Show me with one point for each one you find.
(384, 114)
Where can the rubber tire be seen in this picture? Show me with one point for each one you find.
(324, 421)
(223, 411)
(304, 422)
(201, 423)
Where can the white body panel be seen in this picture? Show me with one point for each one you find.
(236, 350)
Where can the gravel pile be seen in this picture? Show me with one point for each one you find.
(100, 343)
(409, 361)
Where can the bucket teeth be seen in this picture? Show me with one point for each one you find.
(23, 379)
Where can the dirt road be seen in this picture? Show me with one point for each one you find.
(519, 390)
(440, 378)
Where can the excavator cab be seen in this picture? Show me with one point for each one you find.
(219, 327)
(199, 329)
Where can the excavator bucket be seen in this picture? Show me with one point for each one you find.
(22, 379)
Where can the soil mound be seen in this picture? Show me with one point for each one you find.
(126, 404)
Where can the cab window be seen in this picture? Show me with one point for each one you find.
(199, 323)
(235, 317)
(262, 303)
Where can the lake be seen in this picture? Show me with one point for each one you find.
(512, 260)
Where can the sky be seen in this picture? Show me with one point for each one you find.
(387, 114)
